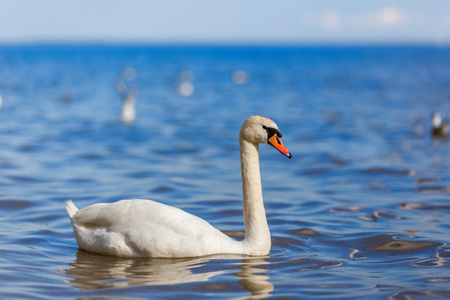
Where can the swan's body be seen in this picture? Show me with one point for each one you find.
(145, 228)
(440, 129)
(128, 95)
(128, 112)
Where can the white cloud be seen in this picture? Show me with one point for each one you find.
(386, 17)
(331, 20)
(328, 19)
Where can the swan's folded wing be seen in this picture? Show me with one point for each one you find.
(136, 213)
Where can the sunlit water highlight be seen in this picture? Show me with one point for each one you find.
(361, 210)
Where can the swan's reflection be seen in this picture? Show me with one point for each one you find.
(92, 272)
(254, 279)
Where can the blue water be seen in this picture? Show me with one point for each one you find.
(362, 210)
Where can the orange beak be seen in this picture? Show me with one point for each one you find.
(275, 141)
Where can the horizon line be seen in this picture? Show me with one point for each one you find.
(256, 44)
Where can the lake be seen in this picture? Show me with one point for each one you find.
(362, 210)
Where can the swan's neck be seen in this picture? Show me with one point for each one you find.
(257, 234)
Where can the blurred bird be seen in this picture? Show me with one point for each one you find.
(240, 77)
(440, 129)
(128, 94)
(185, 87)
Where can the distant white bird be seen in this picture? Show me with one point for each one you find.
(145, 228)
(240, 77)
(128, 112)
(1, 101)
(440, 129)
(127, 94)
(186, 86)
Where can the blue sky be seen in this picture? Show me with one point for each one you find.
(231, 21)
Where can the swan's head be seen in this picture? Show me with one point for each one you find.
(262, 130)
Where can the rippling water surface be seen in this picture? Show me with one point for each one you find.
(361, 210)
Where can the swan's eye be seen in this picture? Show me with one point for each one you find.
(272, 131)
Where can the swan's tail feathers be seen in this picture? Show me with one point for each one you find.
(71, 208)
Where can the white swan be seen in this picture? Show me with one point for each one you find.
(145, 228)
(128, 112)
(128, 95)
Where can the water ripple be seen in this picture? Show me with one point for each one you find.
(360, 211)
